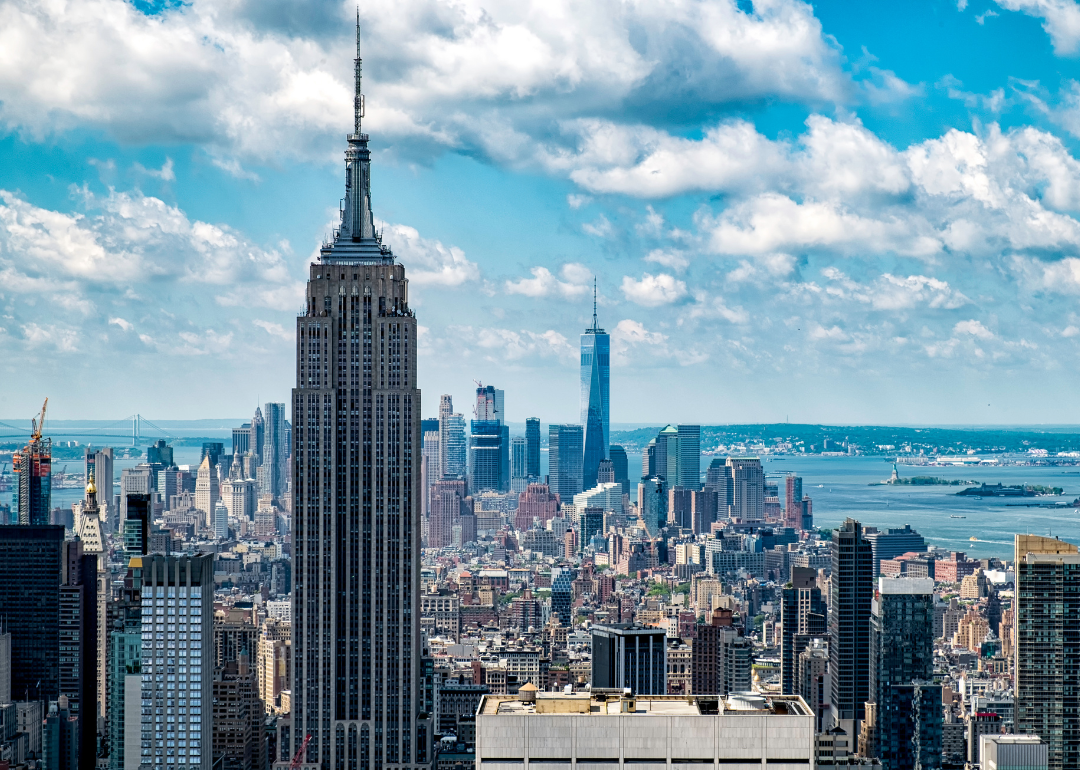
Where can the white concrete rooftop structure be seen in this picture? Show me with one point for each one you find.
(620, 731)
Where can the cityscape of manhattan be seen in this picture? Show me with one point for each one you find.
(494, 385)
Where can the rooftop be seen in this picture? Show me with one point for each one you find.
(603, 704)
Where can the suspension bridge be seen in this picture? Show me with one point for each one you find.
(138, 425)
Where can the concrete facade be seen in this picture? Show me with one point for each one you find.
(560, 732)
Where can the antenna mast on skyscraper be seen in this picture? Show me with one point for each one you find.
(358, 68)
(594, 325)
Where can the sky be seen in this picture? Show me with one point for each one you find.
(836, 212)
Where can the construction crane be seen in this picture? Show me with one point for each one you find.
(298, 759)
(37, 424)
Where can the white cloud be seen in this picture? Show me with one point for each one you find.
(125, 325)
(653, 290)
(676, 260)
(577, 201)
(428, 261)
(273, 329)
(1061, 20)
(601, 228)
(630, 332)
(165, 173)
(544, 284)
(62, 338)
(973, 328)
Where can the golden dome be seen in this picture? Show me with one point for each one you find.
(91, 487)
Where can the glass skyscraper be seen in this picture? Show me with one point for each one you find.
(595, 390)
(356, 677)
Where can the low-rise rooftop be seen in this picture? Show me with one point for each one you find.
(627, 704)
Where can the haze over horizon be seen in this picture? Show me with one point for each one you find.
(826, 213)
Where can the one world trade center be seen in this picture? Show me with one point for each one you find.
(595, 389)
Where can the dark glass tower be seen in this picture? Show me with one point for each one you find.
(356, 490)
(849, 623)
(802, 618)
(595, 389)
(532, 447)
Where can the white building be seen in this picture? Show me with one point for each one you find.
(1006, 752)
(607, 495)
(555, 731)
(177, 661)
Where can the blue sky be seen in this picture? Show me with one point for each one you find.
(837, 212)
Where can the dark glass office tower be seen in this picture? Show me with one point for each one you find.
(532, 447)
(802, 616)
(356, 487)
(595, 395)
(849, 623)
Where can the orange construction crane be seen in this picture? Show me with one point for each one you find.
(38, 423)
(298, 759)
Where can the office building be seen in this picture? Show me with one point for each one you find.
(430, 467)
(612, 730)
(905, 727)
(238, 740)
(31, 573)
(78, 635)
(449, 502)
(532, 447)
(1013, 752)
(536, 503)
(177, 599)
(453, 462)
(98, 463)
(1047, 658)
(562, 596)
(564, 460)
(241, 439)
(748, 489)
(490, 404)
(258, 434)
(625, 655)
(652, 504)
(125, 672)
(60, 749)
(275, 452)
(90, 529)
(207, 490)
(893, 543)
(802, 619)
(595, 397)
(489, 456)
(666, 454)
(619, 465)
(689, 466)
(517, 460)
(721, 657)
(851, 594)
(356, 538)
(136, 533)
(720, 488)
(32, 467)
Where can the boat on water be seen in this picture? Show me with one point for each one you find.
(973, 539)
(954, 516)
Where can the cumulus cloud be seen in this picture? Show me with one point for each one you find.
(429, 262)
(653, 290)
(672, 258)
(544, 284)
(1061, 20)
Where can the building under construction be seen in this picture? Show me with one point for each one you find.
(32, 466)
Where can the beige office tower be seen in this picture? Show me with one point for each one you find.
(356, 687)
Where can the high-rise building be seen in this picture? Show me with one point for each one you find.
(177, 599)
(689, 468)
(138, 480)
(562, 595)
(452, 443)
(721, 657)
(1047, 658)
(221, 521)
(489, 403)
(31, 574)
(449, 502)
(356, 510)
(893, 543)
(136, 534)
(906, 722)
(538, 503)
(720, 488)
(258, 434)
(238, 716)
(619, 465)
(802, 618)
(625, 655)
(564, 460)
(748, 489)
(275, 452)
(91, 532)
(125, 672)
(851, 593)
(652, 504)
(667, 454)
(595, 397)
(532, 447)
(99, 464)
(518, 453)
(78, 634)
(489, 456)
(793, 501)
(32, 466)
(207, 490)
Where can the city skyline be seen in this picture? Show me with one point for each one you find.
(930, 201)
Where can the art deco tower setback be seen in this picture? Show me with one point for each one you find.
(356, 514)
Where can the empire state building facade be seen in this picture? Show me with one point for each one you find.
(356, 479)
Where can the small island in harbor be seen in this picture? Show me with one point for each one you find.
(1016, 490)
(919, 481)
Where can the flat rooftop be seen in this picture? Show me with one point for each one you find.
(548, 703)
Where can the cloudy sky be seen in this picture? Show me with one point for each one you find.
(837, 212)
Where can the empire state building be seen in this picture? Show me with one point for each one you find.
(356, 489)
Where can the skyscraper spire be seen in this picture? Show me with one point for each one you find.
(594, 326)
(358, 69)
